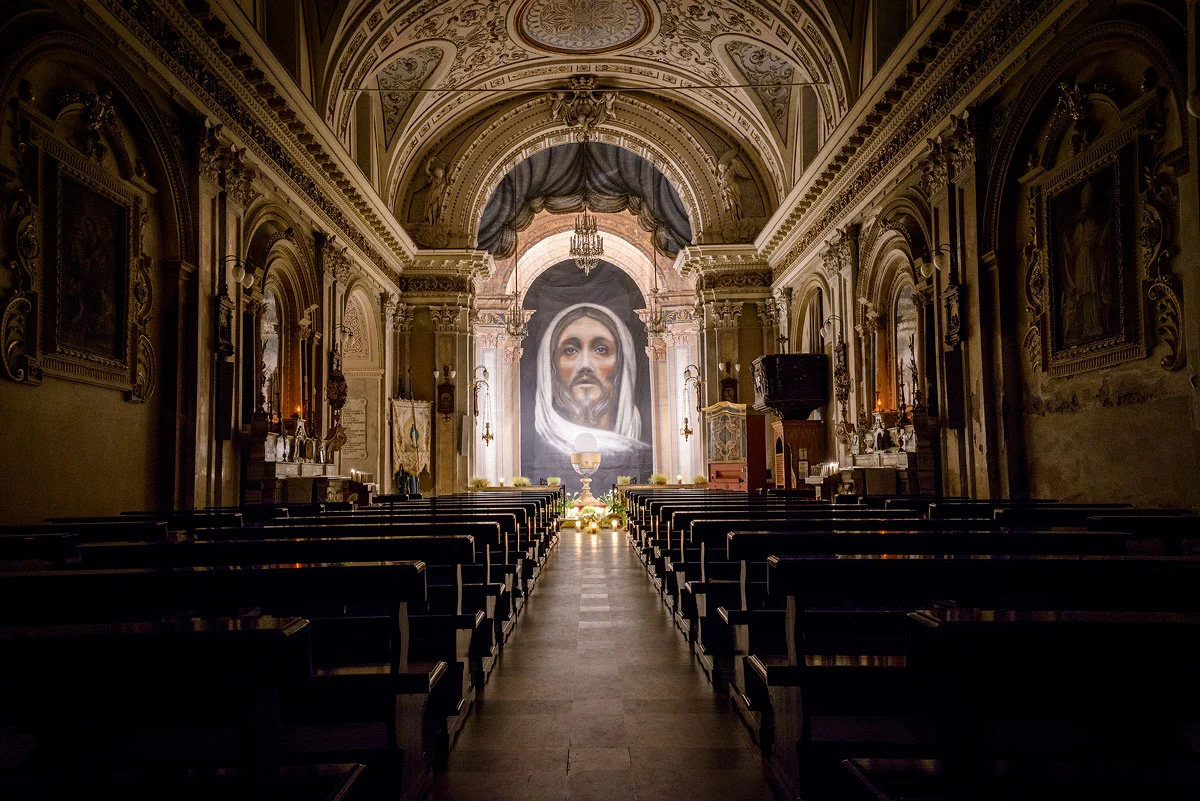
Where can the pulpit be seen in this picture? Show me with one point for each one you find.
(736, 447)
(792, 385)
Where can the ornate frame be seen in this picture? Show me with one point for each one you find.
(59, 358)
(1124, 150)
(32, 321)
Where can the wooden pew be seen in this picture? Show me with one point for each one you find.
(155, 687)
(806, 697)
(1076, 704)
(741, 620)
(403, 747)
(445, 629)
(113, 530)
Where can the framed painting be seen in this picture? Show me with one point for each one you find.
(1093, 315)
(91, 249)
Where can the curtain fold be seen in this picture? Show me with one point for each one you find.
(566, 178)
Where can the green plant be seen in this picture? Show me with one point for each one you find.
(480, 483)
(623, 480)
(616, 509)
(521, 481)
(658, 478)
(700, 481)
(553, 481)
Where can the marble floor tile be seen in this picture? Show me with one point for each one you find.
(598, 696)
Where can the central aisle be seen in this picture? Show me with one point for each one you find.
(597, 696)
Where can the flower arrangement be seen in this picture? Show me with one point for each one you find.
(624, 480)
(553, 481)
(617, 513)
(480, 483)
(658, 478)
(521, 481)
(700, 480)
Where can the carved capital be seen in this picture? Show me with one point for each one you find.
(935, 171)
(387, 309)
(513, 350)
(725, 314)
(447, 319)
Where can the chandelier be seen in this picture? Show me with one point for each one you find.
(517, 324)
(587, 246)
(655, 323)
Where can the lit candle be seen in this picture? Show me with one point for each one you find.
(500, 481)
(679, 478)
(578, 524)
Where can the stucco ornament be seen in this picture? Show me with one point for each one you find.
(582, 27)
(771, 75)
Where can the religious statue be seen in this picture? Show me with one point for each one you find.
(434, 191)
(729, 169)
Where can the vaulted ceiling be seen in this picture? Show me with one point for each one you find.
(465, 86)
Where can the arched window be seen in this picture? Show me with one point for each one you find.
(364, 146)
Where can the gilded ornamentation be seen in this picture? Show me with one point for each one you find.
(212, 154)
(144, 372)
(18, 364)
(923, 103)
(403, 318)
(98, 112)
(1164, 295)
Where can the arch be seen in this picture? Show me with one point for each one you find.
(361, 315)
(571, 177)
(1102, 36)
(268, 226)
(132, 103)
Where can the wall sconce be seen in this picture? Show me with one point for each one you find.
(239, 274)
(729, 384)
(691, 381)
(445, 391)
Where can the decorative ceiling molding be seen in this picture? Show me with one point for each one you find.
(204, 54)
(770, 73)
(583, 27)
(397, 83)
(489, 54)
(972, 39)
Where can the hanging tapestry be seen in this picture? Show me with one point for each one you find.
(410, 435)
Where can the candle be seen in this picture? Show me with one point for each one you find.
(500, 481)
(578, 524)
(679, 479)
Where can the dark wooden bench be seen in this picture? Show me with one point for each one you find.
(395, 738)
(809, 700)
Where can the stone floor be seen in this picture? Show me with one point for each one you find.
(597, 696)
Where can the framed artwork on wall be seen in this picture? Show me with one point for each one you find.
(1091, 316)
(97, 282)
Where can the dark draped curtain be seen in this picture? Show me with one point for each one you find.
(565, 178)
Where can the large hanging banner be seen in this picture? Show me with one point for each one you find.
(584, 371)
(410, 435)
